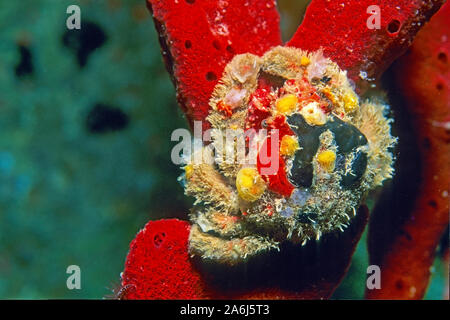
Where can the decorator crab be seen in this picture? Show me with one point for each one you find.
(323, 151)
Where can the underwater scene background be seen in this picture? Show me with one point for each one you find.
(85, 146)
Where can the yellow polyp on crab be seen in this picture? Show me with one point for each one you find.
(313, 114)
(287, 104)
(249, 184)
(326, 160)
(304, 61)
(289, 145)
(350, 102)
(189, 170)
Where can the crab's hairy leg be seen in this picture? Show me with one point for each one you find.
(198, 39)
(403, 238)
(209, 187)
(341, 29)
(227, 251)
(218, 222)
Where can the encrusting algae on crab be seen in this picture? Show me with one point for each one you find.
(318, 151)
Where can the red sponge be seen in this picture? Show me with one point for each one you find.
(199, 38)
(158, 266)
(340, 28)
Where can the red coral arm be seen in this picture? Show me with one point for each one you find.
(340, 28)
(158, 265)
(423, 77)
(198, 39)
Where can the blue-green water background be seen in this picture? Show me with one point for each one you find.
(69, 195)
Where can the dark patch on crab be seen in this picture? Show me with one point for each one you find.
(306, 217)
(348, 139)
